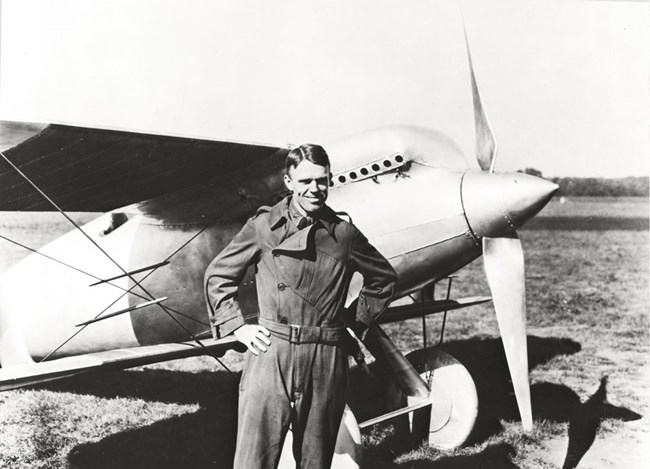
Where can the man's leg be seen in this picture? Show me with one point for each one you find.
(264, 410)
(320, 404)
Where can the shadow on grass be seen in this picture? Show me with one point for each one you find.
(485, 360)
(496, 456)
(168, 386)
(556, 403)
(203, 439)
(206, 438)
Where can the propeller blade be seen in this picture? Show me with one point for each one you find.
(486, 144)
(387, 354)
(504, 266)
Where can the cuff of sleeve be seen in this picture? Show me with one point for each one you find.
(227, 318)
(363, 317)
(230, 326)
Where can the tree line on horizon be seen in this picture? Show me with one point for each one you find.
(632, 186)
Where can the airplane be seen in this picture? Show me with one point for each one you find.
(126, 289)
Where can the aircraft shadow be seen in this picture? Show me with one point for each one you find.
(485, 360)
(206, 438)
(205, 388)
(203, 439)
(550, 401)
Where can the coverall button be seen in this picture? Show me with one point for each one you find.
(281, 286)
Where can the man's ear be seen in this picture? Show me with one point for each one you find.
(287, 182)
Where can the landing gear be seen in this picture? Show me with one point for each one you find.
(448, 422)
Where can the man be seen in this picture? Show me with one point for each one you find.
(296, 368)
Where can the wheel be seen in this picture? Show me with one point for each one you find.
(454, 403)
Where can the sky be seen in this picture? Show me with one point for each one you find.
(564, 82)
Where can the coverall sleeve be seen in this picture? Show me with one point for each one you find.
(222, 279)
(379, 281)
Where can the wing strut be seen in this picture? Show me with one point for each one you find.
(444, 317)
(122, 311)
(137, 271)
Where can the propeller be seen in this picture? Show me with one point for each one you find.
(486, 143)
(504, 266)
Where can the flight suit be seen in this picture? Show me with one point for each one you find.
(302, 277)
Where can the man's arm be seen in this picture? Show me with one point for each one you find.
(379, 282)
(222, 279)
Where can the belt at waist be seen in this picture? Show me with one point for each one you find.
(304, 334)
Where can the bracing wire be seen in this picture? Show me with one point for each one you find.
(130, 290)
(126, 290)
(65, 215)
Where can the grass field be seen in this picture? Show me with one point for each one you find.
(588, 304)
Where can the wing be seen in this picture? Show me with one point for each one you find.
(119, 359)
(416, 310)
(95, 170)
(84, 169)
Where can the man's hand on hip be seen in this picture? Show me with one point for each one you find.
(253, 336)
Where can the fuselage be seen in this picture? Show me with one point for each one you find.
(410, 190)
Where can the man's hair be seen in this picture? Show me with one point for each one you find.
(310, 152)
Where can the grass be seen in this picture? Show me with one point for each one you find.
(587, 296)
(625, 207)
(32, 230)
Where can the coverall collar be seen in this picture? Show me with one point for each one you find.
(298, 242)
(280, 214)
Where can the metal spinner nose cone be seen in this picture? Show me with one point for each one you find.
(528, 195)
(497, 204)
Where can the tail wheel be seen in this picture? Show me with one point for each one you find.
(454, 403)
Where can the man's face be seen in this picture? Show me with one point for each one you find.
(308, 182)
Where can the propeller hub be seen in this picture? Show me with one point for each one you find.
(498, 204)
